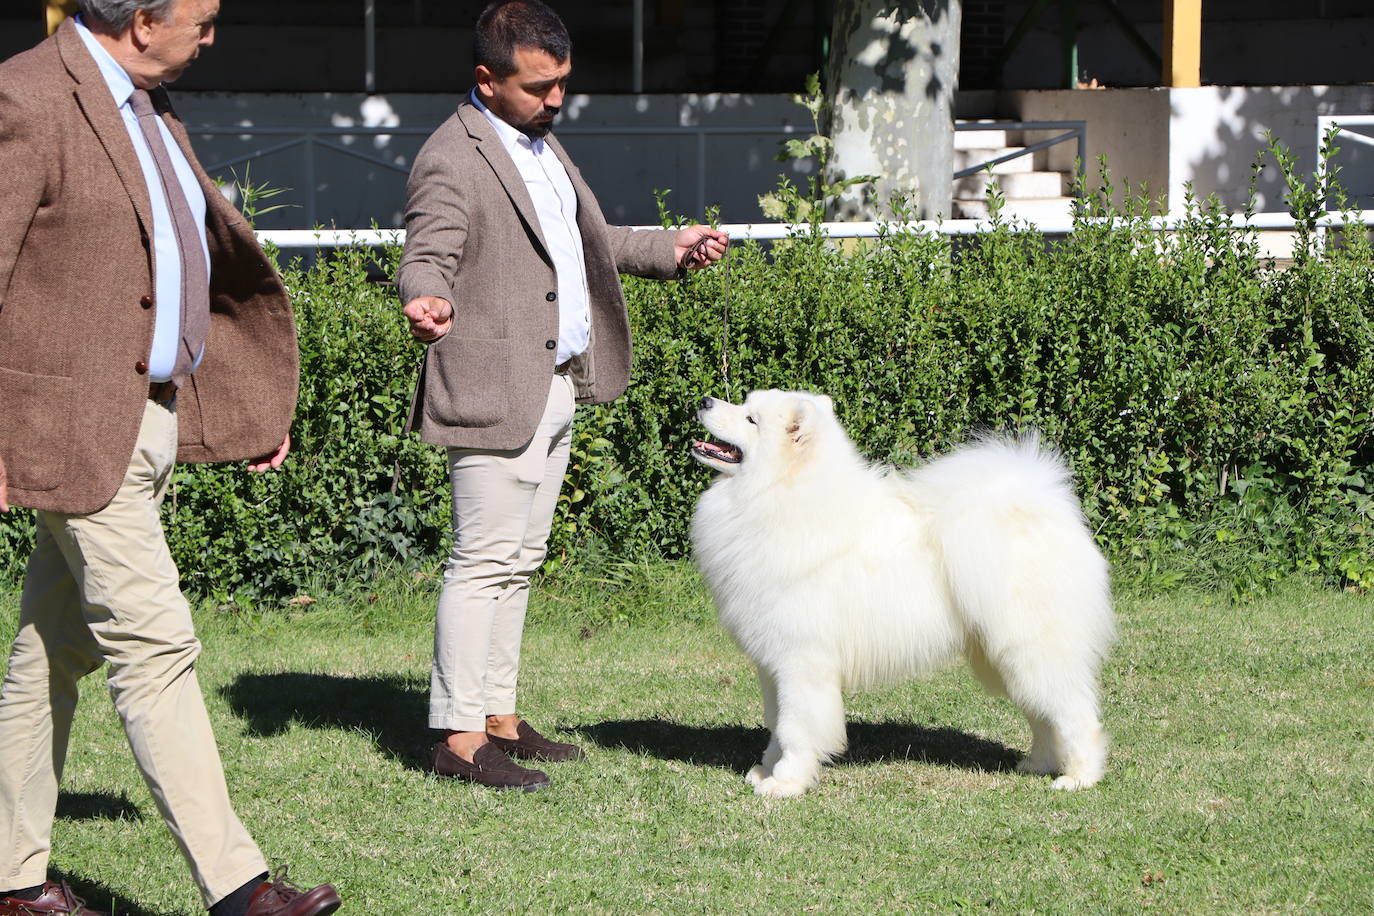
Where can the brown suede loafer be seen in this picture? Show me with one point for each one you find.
(279, 897)
(489, 767)
(530, 745)
(56, 899)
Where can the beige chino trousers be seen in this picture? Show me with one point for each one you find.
(102, 589)
(503, 507)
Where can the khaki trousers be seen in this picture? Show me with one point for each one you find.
(503, 506)
(102, 589)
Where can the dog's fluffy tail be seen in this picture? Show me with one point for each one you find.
(1017, 550)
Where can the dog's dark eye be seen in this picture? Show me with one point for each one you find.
(751, 420)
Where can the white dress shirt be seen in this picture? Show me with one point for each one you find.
(555, 205)
(166, 255)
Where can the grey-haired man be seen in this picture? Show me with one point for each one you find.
(139, 324)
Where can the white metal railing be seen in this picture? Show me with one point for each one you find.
(336, 238)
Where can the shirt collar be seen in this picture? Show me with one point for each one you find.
(510, 137)
(121, 86)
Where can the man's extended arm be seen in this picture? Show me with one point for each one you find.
(22, 182)
(661, 254)
(436, 229)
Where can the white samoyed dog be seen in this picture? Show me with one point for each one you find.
(833, 574)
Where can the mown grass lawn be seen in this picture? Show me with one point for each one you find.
(1241, 780)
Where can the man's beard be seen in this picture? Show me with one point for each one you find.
(538, 128)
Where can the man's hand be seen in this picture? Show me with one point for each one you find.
(274, 460)
(699, 246)
(430, 317)
(4, 506)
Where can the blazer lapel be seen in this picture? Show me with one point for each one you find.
(93, 95)
(590, 222)
(494, 151)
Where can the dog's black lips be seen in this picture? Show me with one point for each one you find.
(726, 453)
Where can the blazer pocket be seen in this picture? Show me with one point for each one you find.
(467, 381)
(31, 409)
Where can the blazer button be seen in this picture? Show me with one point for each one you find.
(146, 302)
(549, 297)
(141, 367)
(550, 344)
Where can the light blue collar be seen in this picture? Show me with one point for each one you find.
(121, 85)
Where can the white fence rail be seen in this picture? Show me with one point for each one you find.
(338, 238)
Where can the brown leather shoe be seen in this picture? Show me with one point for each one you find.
(279, 897)
(530, 745)
(55, 899)
(489, 767)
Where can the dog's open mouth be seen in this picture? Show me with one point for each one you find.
(718, 452)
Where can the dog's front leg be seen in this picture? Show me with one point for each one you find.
(762, 770)
(809, 730)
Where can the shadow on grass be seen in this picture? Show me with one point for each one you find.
(94, 806)
(101, 895)
(738, 748)
(390, 709)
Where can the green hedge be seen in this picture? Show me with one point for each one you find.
(1215, 408)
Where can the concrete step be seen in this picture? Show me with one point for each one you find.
(1014, 185)
(1033, 209)
(967, 158)
(981, 139)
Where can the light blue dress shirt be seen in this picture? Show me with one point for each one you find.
(166, 255)
(555, 206)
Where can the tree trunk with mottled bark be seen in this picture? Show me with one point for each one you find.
(890, 85)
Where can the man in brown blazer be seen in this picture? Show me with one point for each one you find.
(512, 274)
(140, 323)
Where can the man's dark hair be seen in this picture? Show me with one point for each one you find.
(506, 24)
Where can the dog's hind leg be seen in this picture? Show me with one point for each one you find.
(1080, 743)
(809, 730)
(1067, 735)
(764, 769)
(1043, 758)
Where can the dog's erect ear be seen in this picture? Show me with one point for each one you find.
(825, 402)
(801, 424)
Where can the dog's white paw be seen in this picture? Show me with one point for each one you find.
(772, 787)
(1069, 783)
(756, 775)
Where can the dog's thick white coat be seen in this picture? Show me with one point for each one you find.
(834, 575)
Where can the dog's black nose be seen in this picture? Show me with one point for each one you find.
(707, 402)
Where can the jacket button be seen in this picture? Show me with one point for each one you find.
(146, 302)
(549, 297)
(141, 367)
(550, 344)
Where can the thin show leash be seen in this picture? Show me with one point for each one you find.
(696, 255)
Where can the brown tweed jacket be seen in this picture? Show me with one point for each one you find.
(76, 281)
(472, 238)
